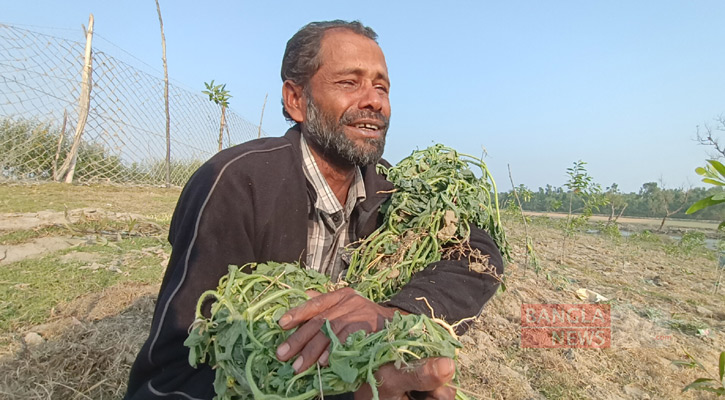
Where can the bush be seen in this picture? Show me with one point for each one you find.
(692, 241)
(28, 151)
(646, 236)
(610, 230)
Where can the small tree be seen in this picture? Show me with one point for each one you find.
(617, 203)
(714, 174)
(219, 95)
(582, 187)
(668, 202)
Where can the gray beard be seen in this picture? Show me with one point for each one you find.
(329, 136)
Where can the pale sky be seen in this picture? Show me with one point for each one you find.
(621, 85)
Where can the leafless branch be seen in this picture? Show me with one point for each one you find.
(708, 136)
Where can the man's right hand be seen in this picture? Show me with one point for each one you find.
(427, 379)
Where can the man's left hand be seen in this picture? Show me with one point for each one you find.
(347, 312)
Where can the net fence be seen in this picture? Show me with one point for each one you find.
(124, 138)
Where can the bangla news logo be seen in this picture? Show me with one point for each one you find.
(566, 326)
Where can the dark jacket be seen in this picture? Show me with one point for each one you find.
(248, 204)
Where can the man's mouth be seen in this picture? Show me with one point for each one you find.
(367, 126)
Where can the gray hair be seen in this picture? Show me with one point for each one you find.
(301, 57)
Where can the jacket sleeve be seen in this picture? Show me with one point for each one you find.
(208, 232)
(454, 291)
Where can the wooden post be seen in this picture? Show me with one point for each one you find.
(221, 127)
(69, 165)
(259, 131)
(60, 143)
(166, 99)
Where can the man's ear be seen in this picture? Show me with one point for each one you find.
(294, 103)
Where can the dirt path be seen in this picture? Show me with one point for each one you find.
(36, 248)
(35, 220)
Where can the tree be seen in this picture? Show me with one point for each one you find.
(219, 95)
(617, 203)
(668, 202)
(581, 185)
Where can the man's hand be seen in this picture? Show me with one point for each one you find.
(347, 312)
(426, 380)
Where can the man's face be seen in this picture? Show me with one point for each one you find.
(347, 105)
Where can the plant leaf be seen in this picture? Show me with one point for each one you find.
(722, 368)
(718, 166)
(719, 196)
(700, 384)
(713, 182)
(703, 203)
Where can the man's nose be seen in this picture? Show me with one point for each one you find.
(372, 98)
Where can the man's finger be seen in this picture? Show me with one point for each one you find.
(312, 352)
(299, 339)
(427, 376)
(312, 307)
(442, 393)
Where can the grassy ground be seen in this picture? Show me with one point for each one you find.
(83, 265)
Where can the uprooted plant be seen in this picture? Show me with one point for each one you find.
(436, 200)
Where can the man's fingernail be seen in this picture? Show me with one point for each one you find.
(282, 350)
(297, 364)
(324, 357)
(284, 320)
(444, 366)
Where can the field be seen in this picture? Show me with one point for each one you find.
(81, 265)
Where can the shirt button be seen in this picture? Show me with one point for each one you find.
(336, 218)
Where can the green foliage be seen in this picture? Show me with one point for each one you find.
(642, 203)
(581, 185)
(646, 236)
(437, 198)
(610, 230)
(712, 384)
(242, 333)
(714, 174)
(28, 150)
(692, 241)
(217, 93)
(579, 180)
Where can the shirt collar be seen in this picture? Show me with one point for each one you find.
(326, 201)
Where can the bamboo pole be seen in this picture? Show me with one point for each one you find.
(69, 165)
(166, 99)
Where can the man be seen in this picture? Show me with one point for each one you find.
(303, 197)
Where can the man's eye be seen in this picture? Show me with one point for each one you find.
(346, 83)
(382, 89)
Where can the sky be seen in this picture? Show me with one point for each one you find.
(536, 85)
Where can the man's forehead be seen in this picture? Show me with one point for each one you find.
(340, 44)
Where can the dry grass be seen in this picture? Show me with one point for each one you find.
(87, 359)
(638, 365)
